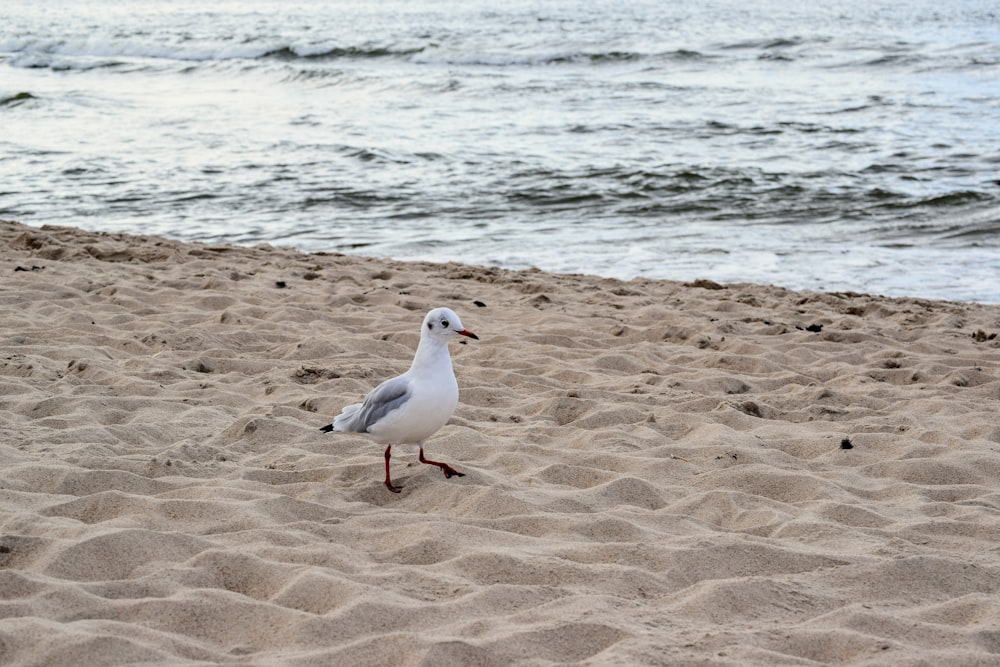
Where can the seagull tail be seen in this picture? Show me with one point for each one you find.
(342, 421)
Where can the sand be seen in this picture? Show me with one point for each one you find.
(656, 473)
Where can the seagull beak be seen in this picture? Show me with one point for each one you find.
(466, 332)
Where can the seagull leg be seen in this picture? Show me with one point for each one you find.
(388, 482)
(445, 468)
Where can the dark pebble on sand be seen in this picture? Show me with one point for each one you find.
(846, 444)
(479, 304)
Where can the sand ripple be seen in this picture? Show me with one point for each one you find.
(656, 473)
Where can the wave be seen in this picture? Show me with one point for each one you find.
(978, 233)
(340, 53)
(32, 52)
(16, 99)
(744, 194)
(94, 53)
(957, 199)
(85, 54)
(544, 59)
(768, 44)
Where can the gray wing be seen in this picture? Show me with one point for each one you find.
(383, 399)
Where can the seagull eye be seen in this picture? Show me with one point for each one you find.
(444, 323)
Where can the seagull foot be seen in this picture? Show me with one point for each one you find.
(394, 489)
(445, 468)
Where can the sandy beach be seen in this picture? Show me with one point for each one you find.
(656, 473)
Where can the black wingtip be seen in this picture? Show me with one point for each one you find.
(327, 428)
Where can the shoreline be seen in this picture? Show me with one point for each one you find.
(656, 471)
(692, 281)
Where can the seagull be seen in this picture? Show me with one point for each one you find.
(410, 408)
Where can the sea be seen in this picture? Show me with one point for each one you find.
(840, 145)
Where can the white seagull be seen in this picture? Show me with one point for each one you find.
(408, 409)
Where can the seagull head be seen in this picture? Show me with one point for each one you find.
(443, 323)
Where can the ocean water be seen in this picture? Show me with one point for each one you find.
(843, 145)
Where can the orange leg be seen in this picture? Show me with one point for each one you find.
(445, 468)
(388, 482)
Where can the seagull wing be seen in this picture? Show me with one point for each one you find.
(380, 402)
